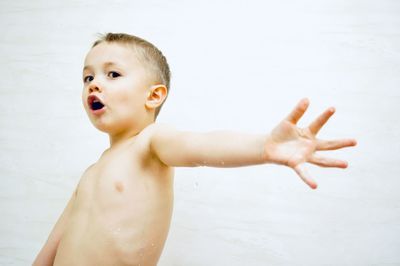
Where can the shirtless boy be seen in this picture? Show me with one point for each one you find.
(120, 212)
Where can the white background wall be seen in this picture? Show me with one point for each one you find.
(238, 65)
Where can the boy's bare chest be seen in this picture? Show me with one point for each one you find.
(119, 178)
(112, 179)
(112, 199)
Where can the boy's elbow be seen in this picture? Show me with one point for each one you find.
(46, 255)
(43, 260)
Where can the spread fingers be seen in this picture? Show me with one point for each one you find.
(318, 123)
(298, 111)
(327, 162)
(303, 174)
(325, 145)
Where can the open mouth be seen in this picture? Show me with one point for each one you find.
(95, 103)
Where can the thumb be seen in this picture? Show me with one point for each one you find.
(302, 172)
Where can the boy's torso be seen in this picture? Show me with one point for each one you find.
(121, 212)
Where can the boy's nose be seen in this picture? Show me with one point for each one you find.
(94, 87)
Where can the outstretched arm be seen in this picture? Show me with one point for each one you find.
(287, 145)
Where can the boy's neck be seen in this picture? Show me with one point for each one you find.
(119, 139)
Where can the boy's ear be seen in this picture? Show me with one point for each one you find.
(156, 96)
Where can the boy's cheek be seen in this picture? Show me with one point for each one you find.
(84, 104)
(84, 98)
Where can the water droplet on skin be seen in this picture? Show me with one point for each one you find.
(222, 162)
(116, 231)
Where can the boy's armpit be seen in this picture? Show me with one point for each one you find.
(162, 138)
(152, 137)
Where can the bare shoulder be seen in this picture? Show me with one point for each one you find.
(148, 135)
(155, 131)
(155, 128)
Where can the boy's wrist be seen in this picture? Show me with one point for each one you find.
(270, 155)
(265, 154)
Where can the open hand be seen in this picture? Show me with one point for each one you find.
(293, 146)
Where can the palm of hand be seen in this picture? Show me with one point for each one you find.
(293, 146)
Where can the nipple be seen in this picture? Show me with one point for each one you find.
(119, 186)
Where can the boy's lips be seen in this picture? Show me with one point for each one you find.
(95, 104)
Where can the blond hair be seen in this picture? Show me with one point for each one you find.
(147, 52)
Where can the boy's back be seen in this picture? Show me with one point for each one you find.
(121, 210)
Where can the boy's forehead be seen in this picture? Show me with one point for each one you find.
(111, 52)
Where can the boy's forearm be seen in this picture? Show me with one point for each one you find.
(216, 149)
(228, 149)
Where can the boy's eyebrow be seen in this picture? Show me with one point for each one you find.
(106, 64)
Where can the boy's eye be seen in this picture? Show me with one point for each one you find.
(87, 78)
(113, 74)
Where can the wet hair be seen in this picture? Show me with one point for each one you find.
(147, 53)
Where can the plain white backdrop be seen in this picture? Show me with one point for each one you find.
(236, 65)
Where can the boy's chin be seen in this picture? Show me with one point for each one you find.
(104, 127)
(109, 128)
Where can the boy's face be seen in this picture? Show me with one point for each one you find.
(113, 73)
